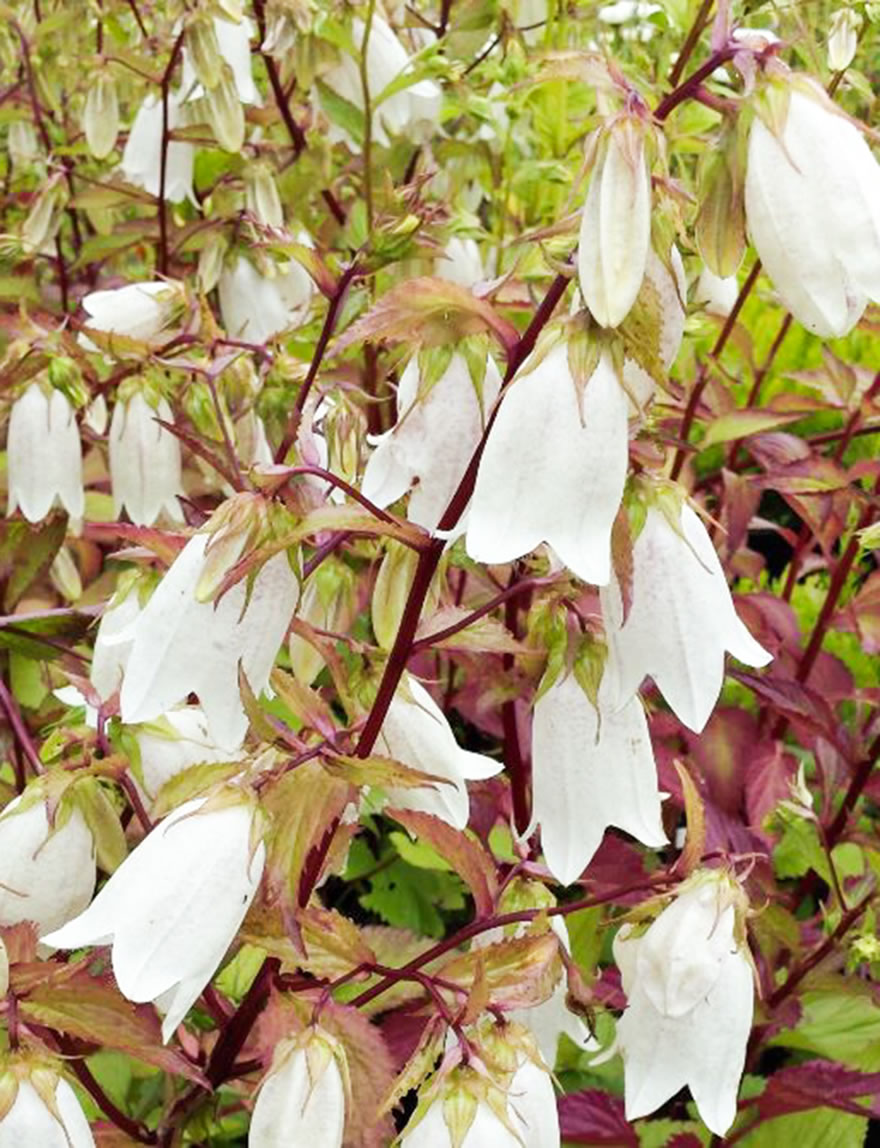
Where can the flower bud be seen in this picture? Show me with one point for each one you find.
(200, 40)
(720, 224)
(22, 144)
(716, 295)
(302, 1100)
(616, 223)
(44, 218)
(38, 1107)
(224, 111)
(101, 115)
(261, 195)
(843, 38)
(4, 969)
(47, 872)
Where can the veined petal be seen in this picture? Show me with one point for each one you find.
(724, 1022)
(616, 227)
(790, 223)
(588, 774)
(547, 477)
(682, 954)
(681, 620)
(417, 733)
(293, 1108)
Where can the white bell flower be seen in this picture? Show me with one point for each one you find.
(486, 1129)
(173, 743)
(813, 208)
(680, 623)
(591, 768)
(412, 111)
(715, 294)
(553, 469)
(145, 462)
(31, 1122)
(47, 873)
(531, 1103)
(44, 456)
(615, 229)
(254, 307)
(688, 982)
(174, 906)
(302, 1100)
(181, 645)
(461, 262)
(428, 451)
(141, 157)
(143, 311)
(114, 640)
(416, 733)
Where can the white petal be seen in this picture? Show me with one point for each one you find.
(163, 756)
(184, 646)
(291, 1108)
(615, 229)
(75, 1123)
(29, 1122)
(658, 1053)
(141, 156)
(44, 456)
(417, 733)
(681, 955)
(681, 620)
(587, 775)
(145, 461)
(532, 1105)
(545, 477)
(47, 878)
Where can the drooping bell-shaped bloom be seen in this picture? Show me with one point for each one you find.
(531, 1103)
(174, 905)
(182, 645)
(254, 307)
(147, 311)
(688, 982)
(145, 464)
(302, 1100)
(179, 739)
(715, 294)
(416, 732)
(461, 262)
(141, 157)
(615, 229)
(428, 450)
(591, 768)
(812, 199)
(680, 622)
(43, 1110)
(44, 456)
(553, 469)
(47, 872)
(113, 640)
(413, 111)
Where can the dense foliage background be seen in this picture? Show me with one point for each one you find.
(313, 244)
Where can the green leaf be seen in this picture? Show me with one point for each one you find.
(840, 1026)
(741, 424)
(817, 1128)
(413, 898)
(26, 553)
(343, 113)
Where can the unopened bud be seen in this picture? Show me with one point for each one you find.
(204, 51)
(720, 226)
(22, 143)
(101, 115)
(43, 218)
(843, 39)
(4, 969)
(211, 261)
(224, 111)
(261, 196)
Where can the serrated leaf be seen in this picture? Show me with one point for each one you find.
(742, 424)
(91, 1008)
(384, 772)
(695, 817)
(429, 312)
(103, 821)
(26, 553)
(195, 781)
(520, 972)
(466, 856)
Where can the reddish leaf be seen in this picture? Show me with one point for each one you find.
(769, 773)
(594, 1117)
(820, 1084)
(470, 861)
(92, 1009)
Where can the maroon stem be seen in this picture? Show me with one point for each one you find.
(691, 85)
(346, 279)
(480, 612)
(163, 157)
(237, 1029)
(21, 731)
(693, 36)
(132, 1128)
(515, 762)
